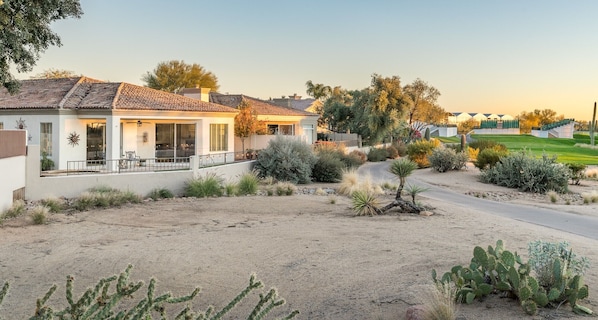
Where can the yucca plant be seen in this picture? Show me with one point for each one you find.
(414, 190)
(364, 203)
(402, 168)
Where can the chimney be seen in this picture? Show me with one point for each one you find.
(198, 92)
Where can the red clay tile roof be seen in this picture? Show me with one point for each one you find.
(261, 107)
(40, 93)
(85, 93)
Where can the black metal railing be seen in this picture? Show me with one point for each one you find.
(127, 165)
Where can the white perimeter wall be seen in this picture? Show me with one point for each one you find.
(12, 171)
(139, 182)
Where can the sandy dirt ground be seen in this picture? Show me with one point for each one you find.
(325, 261)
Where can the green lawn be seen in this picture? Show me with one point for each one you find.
(563, 148)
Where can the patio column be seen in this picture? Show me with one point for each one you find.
(113, 140)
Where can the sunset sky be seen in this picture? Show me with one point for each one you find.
(483, 56)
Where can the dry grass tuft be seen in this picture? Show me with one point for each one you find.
(439, 303)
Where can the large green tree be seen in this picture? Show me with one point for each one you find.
(175, 75)
(318, 91)
(25, 33)
(373, 113)
(421, 101)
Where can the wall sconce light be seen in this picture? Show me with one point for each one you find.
(139, 123)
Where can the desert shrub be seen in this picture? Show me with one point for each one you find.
(110, 299)
(160, 193)
(17, 209)
(542, 256)
(590, 197)
(523, 171)
(453, 146)
(356, 158)
(473, 153)
(39, 214)
(286, 160)
(54, 205)
(248, 183)
(392, 152)
(401, 148)
(377, 154)
(285, 189)
(445, 159)
(487, 158)
(364, 203)
(481, 145)
(328, 168)
(419, 151)
(577, 171)
(209, 185)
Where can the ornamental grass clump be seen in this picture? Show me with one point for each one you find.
(39, 214)
(160, 193)
(54, 205)
(17, 209)
(285, 189)
(104, 197)
(523, 171)
(439, 303)
(209, 185)
(248, 183)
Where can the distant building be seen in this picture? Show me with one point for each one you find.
(458, 117)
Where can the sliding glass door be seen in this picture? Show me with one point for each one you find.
(174, 140)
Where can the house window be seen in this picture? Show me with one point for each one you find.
(1, 125)
(45, 138)
(219, 137)
(283, 129)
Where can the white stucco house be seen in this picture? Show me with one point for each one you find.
(76, 119)
(279, 120)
